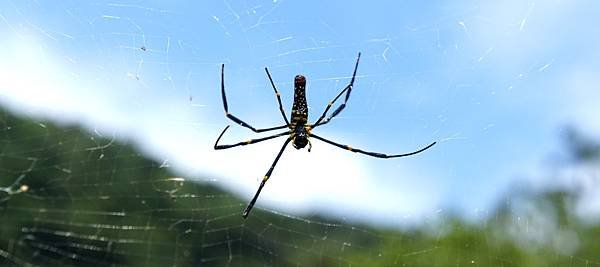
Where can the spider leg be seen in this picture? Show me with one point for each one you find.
(372, 154)
(348, 90)
(248, 142)
(278, 98)
(264, 180)
(236, 119)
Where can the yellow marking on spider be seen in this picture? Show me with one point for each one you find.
(265, 178)
(349, 148)
(248, 142)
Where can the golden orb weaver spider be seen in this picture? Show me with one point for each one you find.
(298, 130)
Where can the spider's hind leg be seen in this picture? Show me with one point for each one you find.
(238, 120)
(347, 90)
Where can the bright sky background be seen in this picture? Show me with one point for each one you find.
(493, 82)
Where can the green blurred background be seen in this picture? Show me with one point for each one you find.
(69, 199)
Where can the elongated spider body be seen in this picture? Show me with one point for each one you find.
(299, 131)
(300, 114)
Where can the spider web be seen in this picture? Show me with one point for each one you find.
(112, 109)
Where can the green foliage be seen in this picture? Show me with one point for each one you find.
(70, 197)
(582, 147)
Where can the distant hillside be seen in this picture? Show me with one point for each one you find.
(69, 197)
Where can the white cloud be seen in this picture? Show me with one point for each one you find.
(32, 80)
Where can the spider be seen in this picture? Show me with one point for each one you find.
(298, 130)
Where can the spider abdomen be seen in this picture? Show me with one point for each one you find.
(299, 113)
(300, 108)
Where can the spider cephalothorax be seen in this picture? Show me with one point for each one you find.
(299, 131)
(300, 139)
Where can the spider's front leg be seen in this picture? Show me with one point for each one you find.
(265, 178)
(372, 154)
(248, 142)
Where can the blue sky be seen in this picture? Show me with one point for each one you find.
(493, 82)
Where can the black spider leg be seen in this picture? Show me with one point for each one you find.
(372, 154)
(278, 98)
(234, 118)
(248, 142)
(348, 90)
(264, 180)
